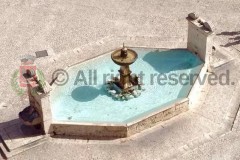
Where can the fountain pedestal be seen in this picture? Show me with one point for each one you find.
(38, 114)
(200, 38)
(127, 86)
(125, 77)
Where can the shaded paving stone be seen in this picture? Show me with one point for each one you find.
(40, 54)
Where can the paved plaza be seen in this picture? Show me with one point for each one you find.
(73, 31)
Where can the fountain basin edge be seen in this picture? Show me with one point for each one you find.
(120, 130)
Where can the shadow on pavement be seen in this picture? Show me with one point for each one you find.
(15, 129)
(234, 38)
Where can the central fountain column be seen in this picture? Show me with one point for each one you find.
(125, 77)
(127, 86)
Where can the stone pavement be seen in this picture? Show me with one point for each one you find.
(82, 29)
(224, 147)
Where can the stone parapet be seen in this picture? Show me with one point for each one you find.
(200, 37)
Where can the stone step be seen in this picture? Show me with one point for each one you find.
(3, 151)
(3, 144)
(8, 152)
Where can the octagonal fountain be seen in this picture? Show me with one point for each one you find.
(98, 102)
(88, 109)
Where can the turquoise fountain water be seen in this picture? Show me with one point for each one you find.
(77, 101)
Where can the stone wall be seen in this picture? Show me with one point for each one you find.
(89, 130)
(200, 37)
(197, 87)
(156, 117)
(40, 101)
